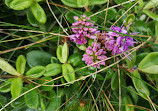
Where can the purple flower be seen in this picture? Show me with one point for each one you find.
(83, 29)
(94, 54)
(117, 43)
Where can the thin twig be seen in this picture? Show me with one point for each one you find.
(106, 13)
(56, 18)
(151, 80)
(22, 30)
(25, 46)
(119, 87)
(149, 99)
(112, 7)
(108, 101)
(93, 98)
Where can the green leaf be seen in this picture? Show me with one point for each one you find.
(30, 17)
(39, 0)
(43, 80)
(130, 18)
(142, 17)
(7, 2)
(110, 15)
(151, 15)
(141, 4)
(42, 104)
(141, 26)
(83, 72)
(16, 87)
(54, 60)
(81, 47)
(70, 14)
(82, 3)
(53, 69)
(68, 72)
(127, 100)
(131, 63)
(19, 102)
(156, 30)
(125, 5)
(3, 100)
(151, 4)
(109, 74)
(152, 25)
(97, 2)
(5, 66)
(75, 59)
(54, 103)
(39, 13)
(140, 57)
(38, 58)
(35, 72)
(5, 86)
(114, 81)
(24, 108)
(71, 3)
(150, 63)
(21, 4)
(63, 53)
(31, 98)
(59, 53)
(20, 64)
(133, 94)
(139, 85)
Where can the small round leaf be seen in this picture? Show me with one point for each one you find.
(20, 64)
(31, 98)
(21, 4)
(38, 58)
(39, 13)
(53, 69)
(36, 72)
(16, 87)
(68, 72)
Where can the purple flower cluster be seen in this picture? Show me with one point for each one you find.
(117, 43)
(94, 54)
(112, 41)
(83, 29)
